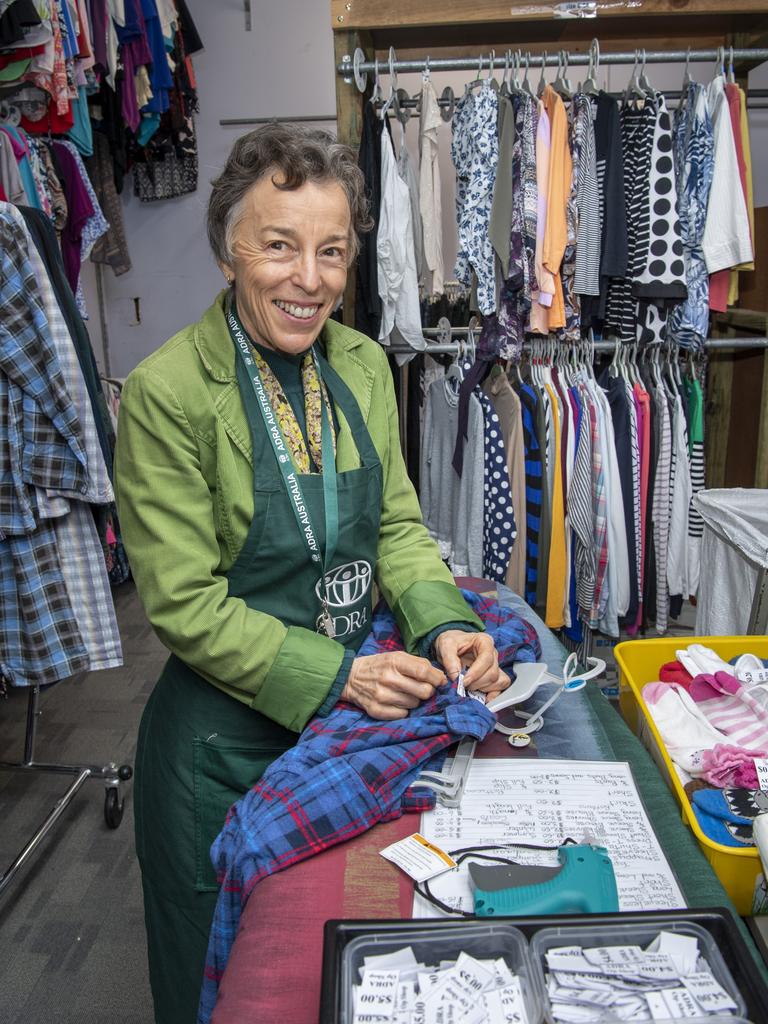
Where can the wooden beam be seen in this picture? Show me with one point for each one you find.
(761, 461)
(349, 123)
(371, 14)
(717, 413)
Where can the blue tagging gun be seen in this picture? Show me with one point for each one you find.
(583, 883)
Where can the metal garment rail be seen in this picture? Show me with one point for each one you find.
(757, 99)
(451, 348)
(346, 65)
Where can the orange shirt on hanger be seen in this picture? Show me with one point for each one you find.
(558, 190)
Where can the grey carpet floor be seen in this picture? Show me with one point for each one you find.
(71, 923)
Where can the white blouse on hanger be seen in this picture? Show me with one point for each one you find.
(397, 279)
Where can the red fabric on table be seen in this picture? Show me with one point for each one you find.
(674, 672)
(274, 970)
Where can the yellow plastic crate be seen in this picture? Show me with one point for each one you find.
(639, 662)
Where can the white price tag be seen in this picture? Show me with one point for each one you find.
(376, 997)
(761, 767)
(418, 857)
(708, 993)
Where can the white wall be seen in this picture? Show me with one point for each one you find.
(284, 66)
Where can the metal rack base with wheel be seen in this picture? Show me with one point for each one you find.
(111, 774)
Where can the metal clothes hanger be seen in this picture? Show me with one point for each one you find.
(731, 72)
(391, 99)
(562, 84)
(643, 81)
(687, 80)
(542, 80)
(455, 370)
(504, 87)
(719, 68)
(477, 80)
(491, 69)
(633, 90)
(589, 86)
(377, 94)
(526, 87)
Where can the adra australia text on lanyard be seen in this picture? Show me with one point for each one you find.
(292, 479)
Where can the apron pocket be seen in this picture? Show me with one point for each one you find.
(222, 774)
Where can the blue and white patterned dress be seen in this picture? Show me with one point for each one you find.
(694, 158)
(475, 154)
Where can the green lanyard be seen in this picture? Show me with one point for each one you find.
(292, 479)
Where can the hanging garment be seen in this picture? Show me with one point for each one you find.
(374, 765)
(397, 282)
(367, 301)
(500, 225)
(637, 132)
(726, 241)
(557, 568)
(430, 203)
(558, 189)
(724, 286)
(475, 153)
(407, 174)
(533, 489)
(516, 291)
(499, 524)
(571, 302)
(677, 566)
(44, 448)
(10, 176)
(543, 430)
(509, 410)
(643, 417)
(581, 514)
(541, 299)
(112, 247)
(661, 276)
(694, 165)
(698, 483)
(452, 506)
(600, 506)
(587, 279)
(616, 393)
(613, 215)
(661, 509)
(616, 600)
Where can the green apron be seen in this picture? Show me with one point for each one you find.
(200, 750)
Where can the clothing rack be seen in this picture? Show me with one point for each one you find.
(348, 65)
(757, 99)
(112, 775)
(451, 348)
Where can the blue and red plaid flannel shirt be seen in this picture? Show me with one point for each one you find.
(346, 773)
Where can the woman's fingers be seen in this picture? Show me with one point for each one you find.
(485, 663)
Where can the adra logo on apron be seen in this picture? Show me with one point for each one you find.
(347, 589)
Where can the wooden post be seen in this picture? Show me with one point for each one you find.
(349, 122)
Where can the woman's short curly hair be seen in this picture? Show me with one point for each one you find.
(293, 155)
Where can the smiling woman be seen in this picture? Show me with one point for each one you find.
(262, 491)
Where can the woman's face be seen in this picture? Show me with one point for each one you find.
(290, 261)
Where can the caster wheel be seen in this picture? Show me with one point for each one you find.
(113, 807)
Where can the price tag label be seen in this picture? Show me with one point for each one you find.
(418, 857)
(761, 767)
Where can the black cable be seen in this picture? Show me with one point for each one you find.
(476, 852)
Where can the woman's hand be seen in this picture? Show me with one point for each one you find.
(387, 686)
(456, 650)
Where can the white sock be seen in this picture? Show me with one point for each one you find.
(683, 728)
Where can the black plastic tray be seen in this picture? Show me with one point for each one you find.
(718, 921)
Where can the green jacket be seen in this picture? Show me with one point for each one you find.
(184, 486)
